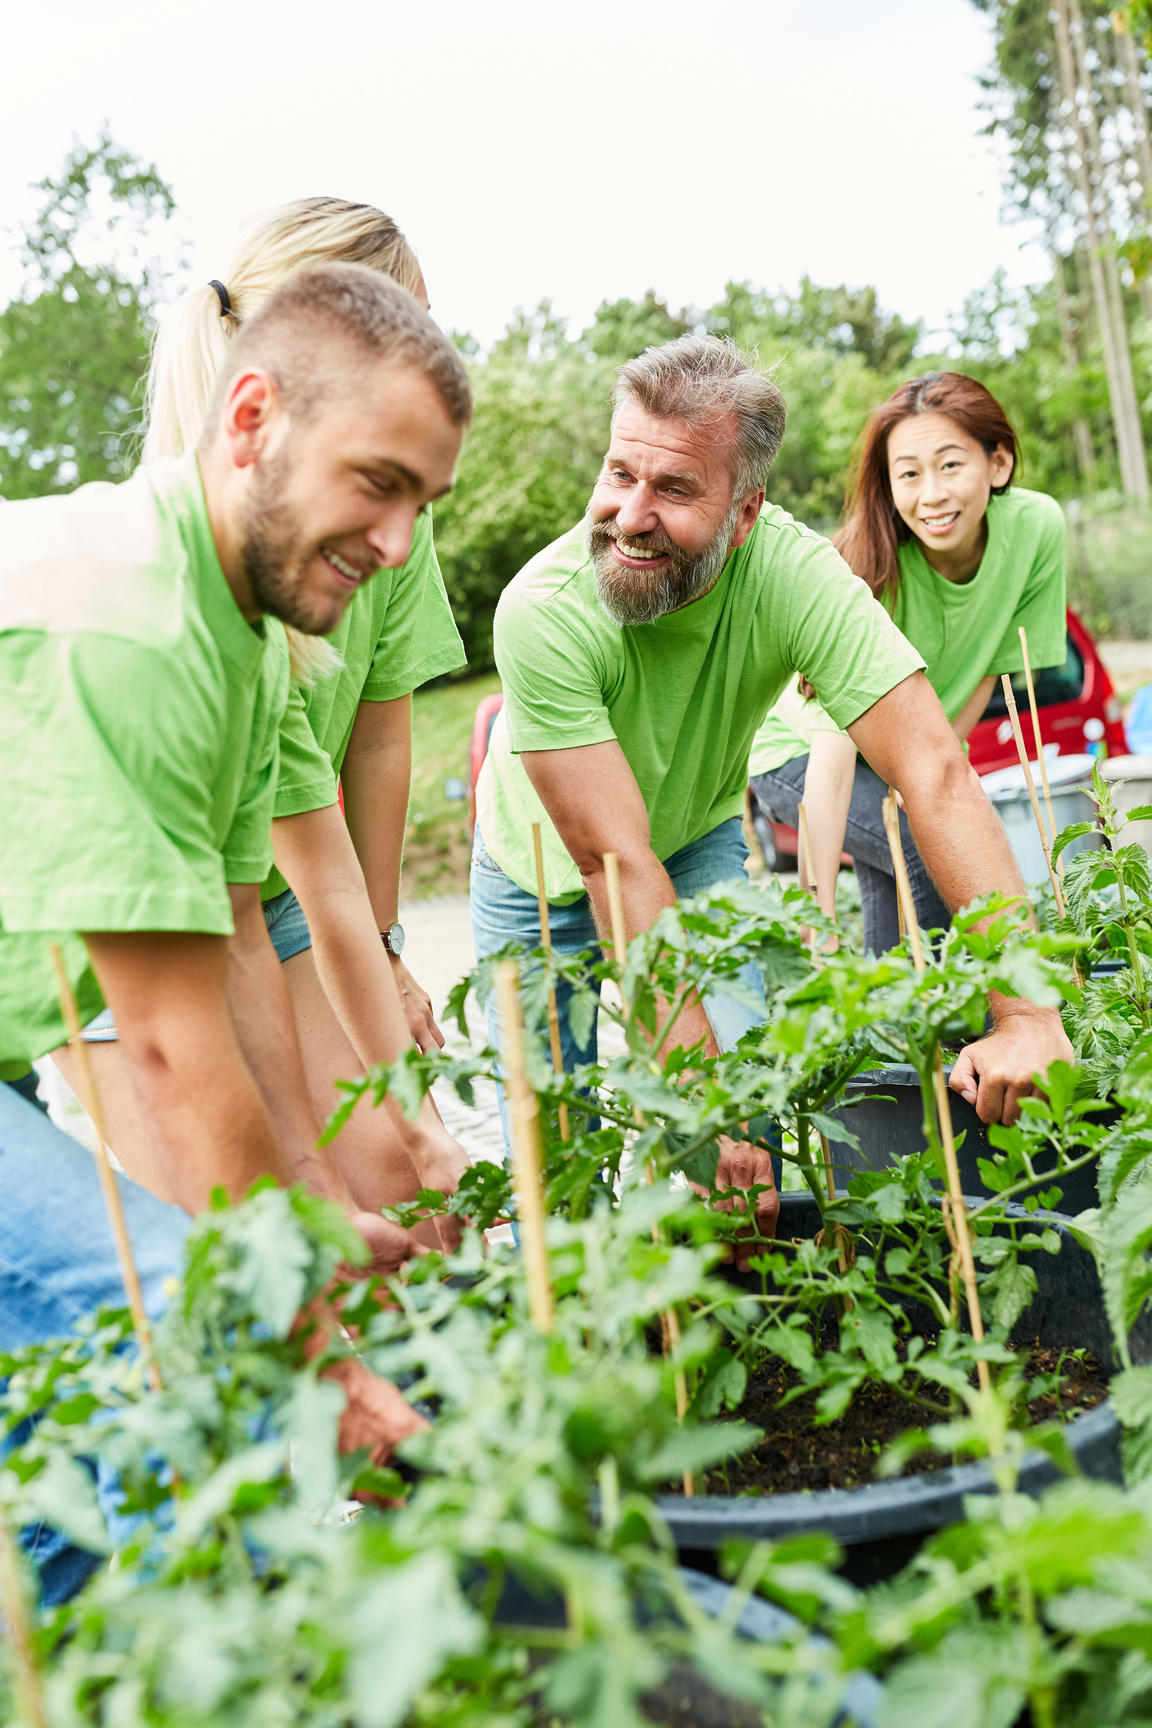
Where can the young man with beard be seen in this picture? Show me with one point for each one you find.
(639, 654)
(143, 678)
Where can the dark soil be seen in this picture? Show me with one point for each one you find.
(796, 1454)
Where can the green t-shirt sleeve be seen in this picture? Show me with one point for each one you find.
(553, 676)
(841, 638)
(305, 778)
(248, 846)
(419, 639)
(110, 748)
(1041, 609)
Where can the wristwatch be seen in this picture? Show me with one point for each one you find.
(393, 940)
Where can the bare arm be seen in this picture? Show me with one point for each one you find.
(974, 706)
(266, 1029)
(908, 741)
(203, 1112)
(592, 797)
(376, 776)
(314, 852)
(827, 795)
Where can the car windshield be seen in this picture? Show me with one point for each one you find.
(1054, 684)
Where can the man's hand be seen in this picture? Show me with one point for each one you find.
(391, 1247)
(996, 1072)
(376, 1415)
(744, 1166)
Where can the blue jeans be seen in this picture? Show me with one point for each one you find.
(502, 912)
(58, 1264)
(866, 840)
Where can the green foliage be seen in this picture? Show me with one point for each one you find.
(74, 345)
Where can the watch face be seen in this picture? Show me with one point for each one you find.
(396, 939)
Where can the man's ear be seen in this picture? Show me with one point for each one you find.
(746, 520)
(252, 406)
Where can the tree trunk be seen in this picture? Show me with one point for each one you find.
(1085, 454)
(1128, 61)
(1113, 329)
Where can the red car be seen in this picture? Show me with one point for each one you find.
(1077, 708)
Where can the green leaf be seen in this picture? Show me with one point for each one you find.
(722, 1384)
(1076, 831)
(407, 1623)
(696, 1448)
(1132, 1396)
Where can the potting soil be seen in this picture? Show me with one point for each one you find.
(796, 1454)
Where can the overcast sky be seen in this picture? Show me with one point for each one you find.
(579, 150)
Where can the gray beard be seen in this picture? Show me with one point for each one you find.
(640, 596)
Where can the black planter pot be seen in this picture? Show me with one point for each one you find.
(882, 1525)
(684, 1699)
(891, 1126)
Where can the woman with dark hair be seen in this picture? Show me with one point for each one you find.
(960, 558)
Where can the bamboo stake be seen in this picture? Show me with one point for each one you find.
(943, 1107)
(14, 1607)
(1039, 746)
(91, 1103)
(1010, 699)
(526, 1176)
(620, 947)
(546, 941)
(804, 862)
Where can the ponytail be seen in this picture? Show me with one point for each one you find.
(191, 346)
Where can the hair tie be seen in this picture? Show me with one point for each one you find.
(223, 297)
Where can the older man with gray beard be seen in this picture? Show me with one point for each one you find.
(639, 654)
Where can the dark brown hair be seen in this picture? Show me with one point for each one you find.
(873, 529)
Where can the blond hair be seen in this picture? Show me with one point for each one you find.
(192, 343)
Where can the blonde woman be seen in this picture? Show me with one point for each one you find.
(331, 903)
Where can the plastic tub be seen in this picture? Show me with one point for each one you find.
(1067, 778)
(1131, 777)
(892, 1125)
(881, 1526)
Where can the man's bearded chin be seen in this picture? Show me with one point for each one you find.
(275, 555)
(643, 596)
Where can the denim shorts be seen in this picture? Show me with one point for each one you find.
(287, 925)
(290, 935)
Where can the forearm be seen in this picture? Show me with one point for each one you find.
(315, 854)
(974, 707)
(356, 974)
(645, 890)
(376, 778)
(266, 1033)
(202, 1116)
(827, 795)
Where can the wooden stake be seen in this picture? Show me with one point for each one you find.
(804, 862)
(1039, 746)
(943, 1107)
(526, 1175)
(1010, 699)
(22, 1658)
(546, 942)
(91, 1103)
(620, 948)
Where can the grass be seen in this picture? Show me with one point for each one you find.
(436, 846)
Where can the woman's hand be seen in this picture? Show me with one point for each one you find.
(417, 1006)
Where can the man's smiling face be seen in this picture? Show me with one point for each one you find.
(662, 519)
(335, 499)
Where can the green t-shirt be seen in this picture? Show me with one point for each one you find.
(139, 722)
(397, 633)
(966, 630)
(787, 730)
(683, 696)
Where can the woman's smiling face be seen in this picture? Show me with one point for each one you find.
(942, 479)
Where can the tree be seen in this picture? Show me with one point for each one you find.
(74, 345)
